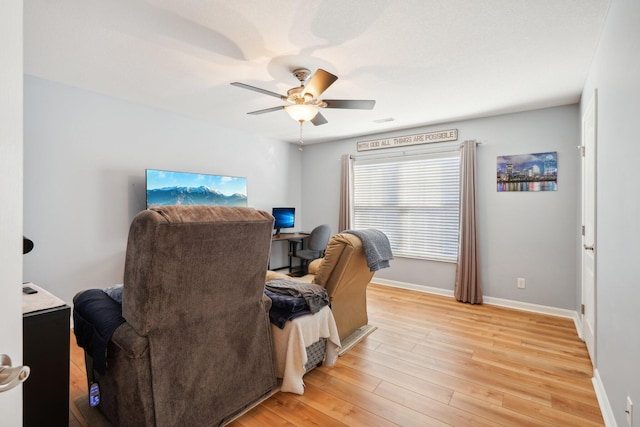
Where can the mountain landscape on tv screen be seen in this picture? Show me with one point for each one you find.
(203, 195)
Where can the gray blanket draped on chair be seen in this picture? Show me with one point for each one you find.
(376, 247)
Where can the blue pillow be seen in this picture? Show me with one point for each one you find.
(115, 292)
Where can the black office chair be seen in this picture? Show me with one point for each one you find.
(317, 243)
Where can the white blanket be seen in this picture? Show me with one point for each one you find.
(290, 346)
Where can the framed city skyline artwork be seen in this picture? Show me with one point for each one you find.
(528, 172)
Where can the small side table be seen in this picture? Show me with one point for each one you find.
(45, 320)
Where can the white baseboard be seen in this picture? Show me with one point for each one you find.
(534, 308)
(577, 320)
(412, 287)
(603, 401)
(524, 306)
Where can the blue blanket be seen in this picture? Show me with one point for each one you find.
(95, 317)
(376, 247)
(285, 307)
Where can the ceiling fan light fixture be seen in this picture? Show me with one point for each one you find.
(301, 112)
(304, 100)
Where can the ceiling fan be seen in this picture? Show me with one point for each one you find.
(303, 100)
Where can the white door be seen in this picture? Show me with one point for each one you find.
(589, 136)
(11, 196)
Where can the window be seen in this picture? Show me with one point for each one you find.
(413, 200)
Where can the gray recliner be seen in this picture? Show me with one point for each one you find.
(316, 245)
(195, 347)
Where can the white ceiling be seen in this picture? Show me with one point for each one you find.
(423, 61)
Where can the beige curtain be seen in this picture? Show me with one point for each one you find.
(468, 286)
(346, 183)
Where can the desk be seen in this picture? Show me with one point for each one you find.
(293, 239)
(45, 320)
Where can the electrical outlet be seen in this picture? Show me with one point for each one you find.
(522, 283)
(629, 411)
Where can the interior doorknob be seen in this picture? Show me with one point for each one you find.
(11, 376)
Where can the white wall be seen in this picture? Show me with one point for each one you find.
(530, 235)
(615, 73)
(84, 162)
(85, 156)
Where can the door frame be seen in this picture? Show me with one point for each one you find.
(588, 246)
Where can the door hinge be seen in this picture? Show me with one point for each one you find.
(581, 308)
(583, 230)
(582, 149)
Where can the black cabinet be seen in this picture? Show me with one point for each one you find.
(46, 352)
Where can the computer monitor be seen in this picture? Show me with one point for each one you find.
(284, 218)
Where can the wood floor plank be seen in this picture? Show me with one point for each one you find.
(429, 378)
(500, 379)
(299, 413)
(77, 381)
(406, 381)
(435, 362)
(261, 416)
(535, 366)
(386, 409)
(440, 411)
(340, 409)
(551, 415)
(499, 414)
(570, 404)
(363, 380)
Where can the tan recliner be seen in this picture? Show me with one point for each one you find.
(195, 347)
(344, 273)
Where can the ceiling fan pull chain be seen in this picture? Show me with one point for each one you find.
(301, 141)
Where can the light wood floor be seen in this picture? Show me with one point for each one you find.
(436, 362)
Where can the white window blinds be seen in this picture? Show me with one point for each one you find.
(413, 200)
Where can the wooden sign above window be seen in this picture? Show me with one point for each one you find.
(401, 141)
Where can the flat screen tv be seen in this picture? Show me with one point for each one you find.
(284, 218)
(167, 188)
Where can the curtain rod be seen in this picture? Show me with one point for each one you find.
(441, 148)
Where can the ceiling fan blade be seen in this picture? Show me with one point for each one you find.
(267, 110)
(257, 89)
(318, 120)
(352, 104)
(319, 82)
